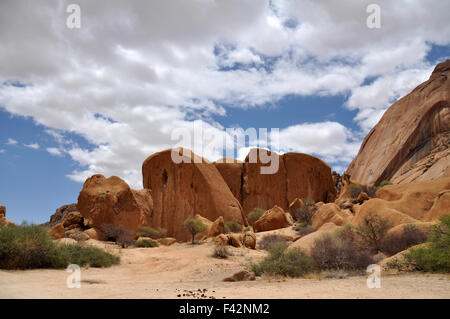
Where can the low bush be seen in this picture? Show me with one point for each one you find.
(154, 233)
(435, 257)
(118, 234)
(371, 231)
(147, 243)
(409, 236)
(332, 252)
(221, 251)
(268, 240)
(255, 214)
(31, 247)
(290, 263)
(354, 190)
(233, 226)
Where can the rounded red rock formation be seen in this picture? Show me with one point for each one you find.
(111, 201)
(179, 190)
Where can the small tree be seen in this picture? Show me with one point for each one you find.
(194, 226)
(372, 230)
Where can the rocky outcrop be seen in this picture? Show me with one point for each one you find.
(411, 141)
(298, 176)
(274, 218)
(3, 220)
(408, 203)
(60, 215)
(330, 213)
(111, 201)
(192, 186)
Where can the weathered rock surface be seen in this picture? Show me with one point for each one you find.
(60, 214)
(185, 189)
(409, 203)
(57, 231)
(232, 172)
(330, 213)
(217, 228)
(411, 141)
(249, 240)
(111, 201)
(274, 218)
(298, 176)
(167, 241)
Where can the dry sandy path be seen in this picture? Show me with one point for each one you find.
(167, 272)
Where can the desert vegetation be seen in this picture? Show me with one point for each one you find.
(354, 190)
(284, 262)
(255, 214)
(221, 251)
(154, 233)
(410, 235)
(435, 256)
(268, 240)
(305, 213)
(30, 247)
(147, 243)
(233, 226)
(119, 234)
(194, 226)
(303, 229)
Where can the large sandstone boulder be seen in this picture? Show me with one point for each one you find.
(192, 186)
(274, 218)
(298, 176)
(217, 228)
(111, 201)
(330, 213)
(249, 240)
(408, 203)
(410, 142)
(58, 231)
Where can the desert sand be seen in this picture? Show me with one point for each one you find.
(186, 271)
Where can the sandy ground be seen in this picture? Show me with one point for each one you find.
(171, 271)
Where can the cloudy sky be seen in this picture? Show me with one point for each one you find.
(103, 97)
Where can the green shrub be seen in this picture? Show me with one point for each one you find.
(383, 183)
(372, 230)
(233, 226)
(154, 233)
(31, 247)
(268, 240)
(290, 263)
(354, 190)
(435, 257)
(194, 226)
(147, 243)
(255, 214)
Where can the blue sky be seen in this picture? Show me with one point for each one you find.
(102, 98)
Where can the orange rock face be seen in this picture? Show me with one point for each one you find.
(111, 201)
(298, 176)
(411, 141)
(274, 218)
(180, 190)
